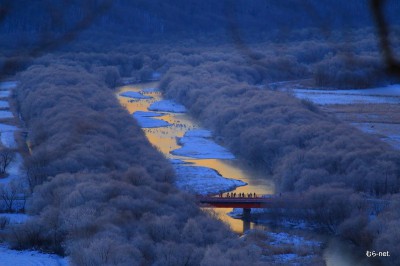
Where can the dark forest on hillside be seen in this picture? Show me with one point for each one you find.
(101, 194)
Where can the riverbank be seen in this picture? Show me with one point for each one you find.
(200, 163)
(13, 186)
(375, 111)
(195, 165)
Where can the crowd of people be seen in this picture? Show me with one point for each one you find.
(238, 195)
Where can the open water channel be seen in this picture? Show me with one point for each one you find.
(166, 140)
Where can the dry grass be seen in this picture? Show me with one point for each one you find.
(366, 113)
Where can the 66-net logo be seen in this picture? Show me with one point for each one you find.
(377, 254)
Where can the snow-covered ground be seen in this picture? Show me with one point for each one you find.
(389, 94)
(150, 90)
(290, 239)
(4, 104)
(146, 120)
(8, 139)
(14, 170)
(6, 128)
(197, 144)
(199, 133)
(134, 95)
(238, 212)
(202, 180)
(390, 132)
(9, 257)
(5, 93)
(15, 218)
(6, 114)
(155, 75)
(167, 106)
(375, 99)
(6, 85)
(7, 135)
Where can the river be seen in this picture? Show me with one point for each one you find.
(336, 252)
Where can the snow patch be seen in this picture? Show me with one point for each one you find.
(14, 170)
(5, 93)
(203, 180)
(196, 145)
(389, 133)
(155, 75)
(4, 104)
(150, 90)
(290, 239)
(146, 120)
(8, 85)
(9, 257)
(15, 218)
(389, 94)
(284, 258)
(5, 114)
(200, 133)
(148, 114)
(178, 161)
(134, 95)
(8, 139)
(167, 106)
(5, 127)
(237, 213)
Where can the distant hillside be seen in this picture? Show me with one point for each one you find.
(147, 17)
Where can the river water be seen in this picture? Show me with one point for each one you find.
(337, 252)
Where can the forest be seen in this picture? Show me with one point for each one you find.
(99, 193)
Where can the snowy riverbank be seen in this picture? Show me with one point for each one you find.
(9, 257)
(198, 144)
(373, 111)
(389, 94)
(202, 180)
(195, 144)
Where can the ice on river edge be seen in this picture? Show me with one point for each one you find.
(202, 180)
(196, 144)
(150, 90)
(134, 95)
(167, 106)
(146, 120)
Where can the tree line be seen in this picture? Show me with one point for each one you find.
(333, 165)
(101, 194)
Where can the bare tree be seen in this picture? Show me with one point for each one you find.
(6, 157)
(8, 193)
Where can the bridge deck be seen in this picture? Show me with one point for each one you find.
(238, 202)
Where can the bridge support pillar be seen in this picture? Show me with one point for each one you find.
(246, 216)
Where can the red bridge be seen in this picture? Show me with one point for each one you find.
(237, 202)
(247, 203)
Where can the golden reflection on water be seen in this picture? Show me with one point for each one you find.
(165, 140)
(237, 225)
